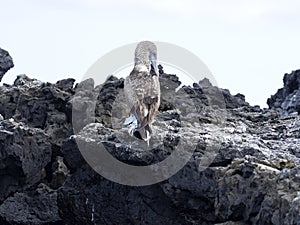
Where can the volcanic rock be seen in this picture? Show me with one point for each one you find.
(25, 151)
(6, 62)
(31, 207)
(233, 164)
(287, 99)
(252, 176)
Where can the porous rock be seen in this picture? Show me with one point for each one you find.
(24, 153)
(31, 207)
(287, 99)
(6, 62)
(244, 166)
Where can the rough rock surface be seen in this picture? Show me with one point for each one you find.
(253, 179)
(244, 168)
(287, 99)
(31, 207)
(6, 62)
(40, 105)
(24, 153)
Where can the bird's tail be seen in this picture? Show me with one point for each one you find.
(143, 133)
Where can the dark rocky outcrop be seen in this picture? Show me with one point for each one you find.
(244, 166)
(31, 207)
(6, 62)
(24, 153)
(287, 99)
(253, 179)
(39, 105)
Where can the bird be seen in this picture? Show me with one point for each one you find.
(142, 91)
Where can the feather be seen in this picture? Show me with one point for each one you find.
(142, 91)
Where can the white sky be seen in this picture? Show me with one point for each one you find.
(248, 45)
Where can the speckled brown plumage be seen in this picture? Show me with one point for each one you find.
(142, 89)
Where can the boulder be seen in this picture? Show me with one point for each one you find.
(6, 62)
(287, 99)
(24, 153)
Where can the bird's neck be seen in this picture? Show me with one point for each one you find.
(141, 59)
(141, 68)
(141, 62)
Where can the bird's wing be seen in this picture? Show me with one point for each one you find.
(143, 96)
(152, 98)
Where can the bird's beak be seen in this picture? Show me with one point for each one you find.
(153, 63)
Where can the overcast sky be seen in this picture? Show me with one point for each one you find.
(247, 45)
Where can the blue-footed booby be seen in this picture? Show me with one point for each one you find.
(142, 91)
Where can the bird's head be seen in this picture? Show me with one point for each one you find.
(146, 54)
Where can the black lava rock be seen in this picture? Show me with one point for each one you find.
(243, 167)
(287, 99)
(24, 153)
(6, 62)
(31, 207)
